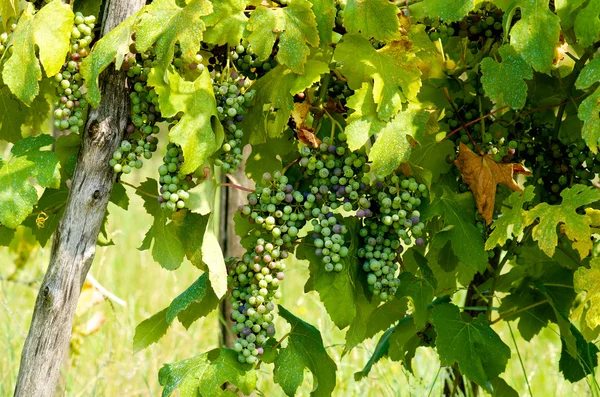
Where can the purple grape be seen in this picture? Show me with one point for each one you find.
(271, 330)
(415, 220)
(323, 189)
(360, 213)
(289, 198)
(260, 350)
(161, 199)
(318, 252)
(130, 128)
(280, 276)
(239, 118)
(241, 309)
(246, 331)
(337, 172)
(289, 188)
(329, 215)
(337, 228)
(420, 242)
(368, 213)
(318, 196)
(331, 149)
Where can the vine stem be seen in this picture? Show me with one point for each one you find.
(138, 189)
(447, 95)
(524, 309)
(233, 185)
(275, 346)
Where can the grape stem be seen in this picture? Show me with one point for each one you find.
(275, 346)
(447, 95)
(138, 189)
(474, 122)
(334, 123)
(233, 185)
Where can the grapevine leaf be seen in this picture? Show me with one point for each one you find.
(576, 368)
(198, 132)
(456, 211)
(12, 116)
(52, 203)
(8, 9)
(118, 195)
(304, 350)
(512, 221)
(472, 343)
(163, 24)
(363, 122)
(18, 195)
(589, 113)
(88, 7)
(336, 289)
(587, 314)
(267, 157)
(212, 256)
(205, 374)
(536, 35)
(225, 25)
(393, 70)
(381, 350)
(151, 204)
(67, 149)
(502, 389)
(589, 75)
(274, 100)
(392, 146)
(150, 331)
(6, 236)
(431, 155)
(576, 227)
(483, 174)
(420, 291)
(111, 47)
(202, 197)
(404, 342)
(49, 30)
(503, 82)
(325, 12)
(191, 228)
(294, 25)
(448, 11)
(373, 19)
(587, 23)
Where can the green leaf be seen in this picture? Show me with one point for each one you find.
(205, 374)
(6, 236)
(539, 25)
(404, 342)
(376, 19)
(336, 289)
(225, 25)
(87, 7)
(49, 30)
(504, 82)
(212, 256)
(111, 47)
(118, 196)
(164, 24)
(381, 350)
(589, 111)
(274, 100)
(267, 157)
(587, 23)
(294, 26)
(18, 195)
(392, 146)
(12, 116)
(202, 197)
(576, 368)
(431, 155)
(304, 350)
(67, 149)
(419, 291)
(587, 314)
(512, 222)
(150, 331)
(363, 122)
(472, 343)
(191, 228)
(448, 11)
(576, 227)
(457, 213)
(393, 70)
(589, 75)
(502, 389)
(325, 12)
(198, 132)
(8, 9)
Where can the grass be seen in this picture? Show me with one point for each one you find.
(106, 365)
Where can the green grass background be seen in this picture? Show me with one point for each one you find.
(106, 365)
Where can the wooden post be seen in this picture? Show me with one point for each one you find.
(74, 243)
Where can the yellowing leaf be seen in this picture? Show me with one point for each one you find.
(50, 31)
(513, 221)
(483, 174)
(448, 11)
(363, 122)
(294, 25)
(587, 23)
(587, 314)
(393, 70)
(373, 19)
(576, 227)
(225, 25)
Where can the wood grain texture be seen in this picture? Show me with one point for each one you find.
(74, 244)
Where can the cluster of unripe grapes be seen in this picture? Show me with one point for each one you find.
(232, 101)
(248, 64)
(174, 185)
(5, 36)
(70, 105)
(255, 283)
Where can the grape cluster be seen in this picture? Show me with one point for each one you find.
(5, 36)
(174, 185)
(338, 89)
(70, 105)
(391, 221)
(255, 281)
(140, 141)
(329, 241)
(248, 64)
(180, 63)
(232, 100)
